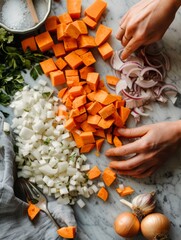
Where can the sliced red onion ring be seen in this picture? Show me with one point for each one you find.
(145, 83)
(167, 87)
(148, 69)
(121, 85)
(142, 77)
(116, 61)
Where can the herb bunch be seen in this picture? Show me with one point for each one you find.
(12, 62)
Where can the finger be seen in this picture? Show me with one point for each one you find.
(136, 162)
(133, 132)
(147, 173)
(130, 48)
(120, 33)
(130, 148)
(125, 40)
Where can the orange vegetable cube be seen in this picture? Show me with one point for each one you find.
(65, 18)
(85, 41)
(96, 9)
(62, 92)
(105, 123)
(44, 41)
(74, 8)
(90, 22)
(57, 78)
(102, 34)
(60, 63)
(105, 50)
(73, 60)
(72, 31)
(51, 23)
(76, 91)
(112, 80)
(79, 101)
(61, 31)
(29, 43)
(70, 124)
(87, 137)
(81, 26)
(94, 120)
(94, 108)
(86, 148)
(67, 232)
(70, 44)
(93, 80)
(107, 111)
(108, 176)
(77, 139)
(71, 72)
(88, 59)
(94, 173)
(127, 191)
(81, 118)
(99, 143)
(81, 51)
(117, 142)
(100, 133)
(84, 71)
(33, 210)
(72, 81)
(100, 96)
(125, 112)
(109, 138)
(58, 49)
(103, 194)
(48, 66)
(86, 127)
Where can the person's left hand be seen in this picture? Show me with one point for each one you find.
(154, 144)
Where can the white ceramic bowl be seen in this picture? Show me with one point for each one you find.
(45, 11)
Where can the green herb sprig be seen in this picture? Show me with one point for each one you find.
(12, 62)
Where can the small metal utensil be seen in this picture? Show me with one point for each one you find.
(35, 196)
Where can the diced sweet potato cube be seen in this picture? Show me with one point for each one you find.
(57, 78)
(93, 80)
(72, 31)
(85, 41)
(96, 9)
(60, 63)
(73, 60)
(88, 59)
(44, 41)
(48, 66)
(65, 18)
(51, 23)
(29, 43)
(70, 44)
(90, 22)
(105, 50)
(61, 31)
(87, 137)
(58, 49)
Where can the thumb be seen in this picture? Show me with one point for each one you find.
(133, 132)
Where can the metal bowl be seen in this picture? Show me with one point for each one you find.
(47, 9)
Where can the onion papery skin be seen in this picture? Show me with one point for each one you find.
(127, 225)
(155, 226)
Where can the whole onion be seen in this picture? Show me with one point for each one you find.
(155, 226)
(127, 225)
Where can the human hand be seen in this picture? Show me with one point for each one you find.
(154, 144)
(145, 23)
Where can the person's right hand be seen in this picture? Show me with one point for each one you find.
(145, 23)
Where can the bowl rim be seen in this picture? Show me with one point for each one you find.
(19, 31)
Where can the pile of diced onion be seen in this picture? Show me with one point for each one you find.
(47, 154)
(142, 78)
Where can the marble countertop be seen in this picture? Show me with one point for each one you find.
(96, 219)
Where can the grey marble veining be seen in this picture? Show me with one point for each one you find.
(96, 219)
